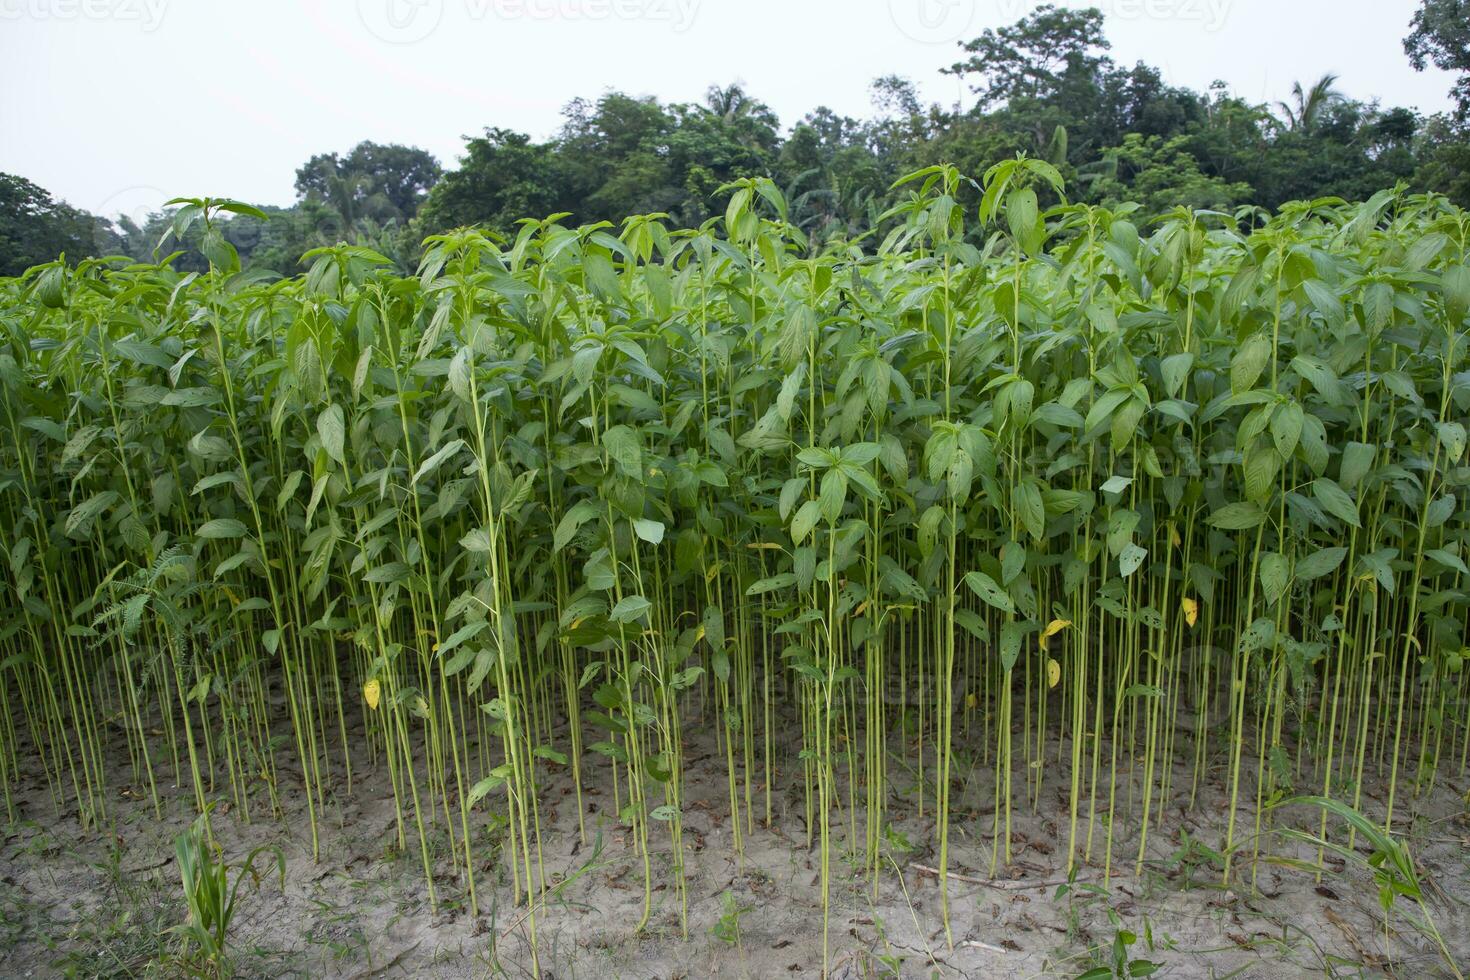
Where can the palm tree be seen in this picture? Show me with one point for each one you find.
(729, 102)
(1309, 105)
(753, 123)
(360, 208)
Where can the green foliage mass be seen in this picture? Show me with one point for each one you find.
(1120, 481)
(1045, 86)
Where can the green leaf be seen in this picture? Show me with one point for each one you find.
(332, 429)
(1261, 467)
(477, 541)
(1335, 500)
(1451, 437)
(1030, 508)
(984, 586)
(626, 450)
(1011, 635)
(431, 464)
(650, 531)
(1131, 557)
(1321, 377)
(141, 353)
(1238, 517)
(190, 397)
(1275, 576)
(550, 755)
(46, 427)
(1326, 302)
(686, 678)
(1104, 407)
(221, 527)
(1125, 422)
(1320, 563)
(82, 515)
(1448, 559)
(961, 471)
(394, 571)
(806, 518)
(467, 632)
(629, 608)
(782, 581)
(1012, 562)
(1286, 428)
(1249, 361)
(571, 521)
(1175, 370)
(1313, 444)
(1259, 635)
(786, 400)
(483, 788)
(1357, 462)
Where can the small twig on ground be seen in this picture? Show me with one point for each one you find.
(1001, 883)
(378, 970)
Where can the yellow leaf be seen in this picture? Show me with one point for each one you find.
(1174, 536)
(1053, 672)
(1191, 610)
(970, 702)
(1056, 626)
(371, 692)
(1052, 629)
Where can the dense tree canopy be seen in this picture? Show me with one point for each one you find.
(1045, 87)
(34, 227)
(386, 183)
(1441, 37)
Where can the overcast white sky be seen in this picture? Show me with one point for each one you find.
(115, 105)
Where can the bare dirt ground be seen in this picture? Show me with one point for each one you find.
(98, 903)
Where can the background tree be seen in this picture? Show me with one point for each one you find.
(1307, 106)
(1038, 58)
(36, 228)
(502, 176)
(1159, 174)
(1440, 36)
(1045, 86)
(375, 180)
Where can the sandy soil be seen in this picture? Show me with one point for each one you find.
(96, 903)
